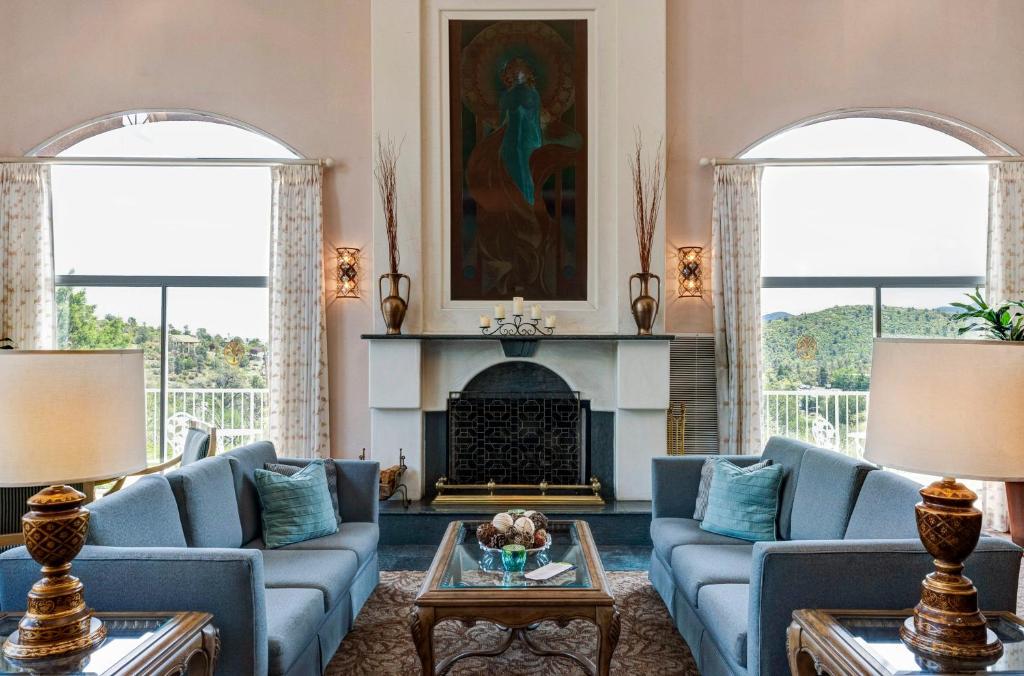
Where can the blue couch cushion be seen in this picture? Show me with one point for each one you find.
(825, 494)
(885, 508)
(330, 467)
(295, 508)
(205, 492)
(249, 458)
(744, 503)
(696, 566)
(789, 453)
(359, 537)
(329, 571)
(293, 617)
(724, 609)
(667, 533)
(143, 514)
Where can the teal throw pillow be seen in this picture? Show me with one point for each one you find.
(743, 504)
(297, 507)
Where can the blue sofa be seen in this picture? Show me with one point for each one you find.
(848, 539)
(190, 540)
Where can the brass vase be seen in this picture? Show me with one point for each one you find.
(644, 305)
(393, 305)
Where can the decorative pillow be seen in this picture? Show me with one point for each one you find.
(743, 504)
(706, 471)
(295, 508)
(332, 478)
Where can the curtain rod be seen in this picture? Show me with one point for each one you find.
(859, 161)
(168, 161)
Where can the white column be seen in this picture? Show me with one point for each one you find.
(396, 419)
(642, 398)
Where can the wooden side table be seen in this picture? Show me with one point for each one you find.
(867, 643)
(138, 644)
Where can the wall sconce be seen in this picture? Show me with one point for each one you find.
(348, 273)
(690, 283)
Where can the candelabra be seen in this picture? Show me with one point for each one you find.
(517, 326)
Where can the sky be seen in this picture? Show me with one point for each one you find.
(169, 221)
(861, 221)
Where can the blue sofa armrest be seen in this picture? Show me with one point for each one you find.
(675, 480)
(358, 487)
(228, 583)
(869, 574)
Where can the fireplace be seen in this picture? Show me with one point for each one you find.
(517, 431)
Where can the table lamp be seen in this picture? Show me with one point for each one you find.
(66, 417)
(951, 408)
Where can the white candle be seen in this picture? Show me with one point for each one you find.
(535, 312)
(485, 321)
(499, 311)
(517, 306)
(549, 323)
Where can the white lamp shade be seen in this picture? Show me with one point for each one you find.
(953, 408)
(67, 417)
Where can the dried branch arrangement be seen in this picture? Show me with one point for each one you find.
(386, 173)
(648, 188)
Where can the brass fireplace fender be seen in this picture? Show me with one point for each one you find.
(542, 498)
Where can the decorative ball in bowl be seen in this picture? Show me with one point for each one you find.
(528, 528)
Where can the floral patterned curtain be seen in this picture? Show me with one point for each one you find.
(26, 257)
(1004, 281)
(736, 282)
(299, 423)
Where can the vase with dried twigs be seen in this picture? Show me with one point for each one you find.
(393, 304)
(648, 188)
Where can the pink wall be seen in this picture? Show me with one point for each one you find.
(737, 69)
(740, 69)
(299, 70)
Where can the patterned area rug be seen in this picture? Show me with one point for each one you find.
(381, 643)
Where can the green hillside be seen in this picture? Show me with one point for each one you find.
(203, 364)
(843, 336)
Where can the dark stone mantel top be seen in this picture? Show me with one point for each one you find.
(480, 336)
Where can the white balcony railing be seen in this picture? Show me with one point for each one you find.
(240, 415)
(828, 418)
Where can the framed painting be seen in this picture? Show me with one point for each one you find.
(518, 158)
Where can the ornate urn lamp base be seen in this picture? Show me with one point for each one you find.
(947, 628)
(57, 622)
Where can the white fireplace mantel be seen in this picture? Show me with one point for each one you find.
(622, 374)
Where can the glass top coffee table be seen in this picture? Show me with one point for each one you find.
(467, 583)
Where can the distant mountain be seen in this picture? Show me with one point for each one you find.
(949, 310)
(839, 354)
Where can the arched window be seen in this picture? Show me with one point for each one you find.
(170, 256)
(853, 250)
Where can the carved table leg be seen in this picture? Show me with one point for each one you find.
(800, 662)
(211, 644)
(421, 622)
(608, 627)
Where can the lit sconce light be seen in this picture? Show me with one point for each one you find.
(348, 273)
(690, 284)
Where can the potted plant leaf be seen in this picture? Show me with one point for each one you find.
(998, 322)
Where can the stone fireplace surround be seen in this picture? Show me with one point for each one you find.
(624, 378)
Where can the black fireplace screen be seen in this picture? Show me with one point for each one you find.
(515, 438)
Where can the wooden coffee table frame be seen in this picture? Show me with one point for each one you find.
(515, 610)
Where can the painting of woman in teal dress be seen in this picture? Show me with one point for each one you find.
(518, 156)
